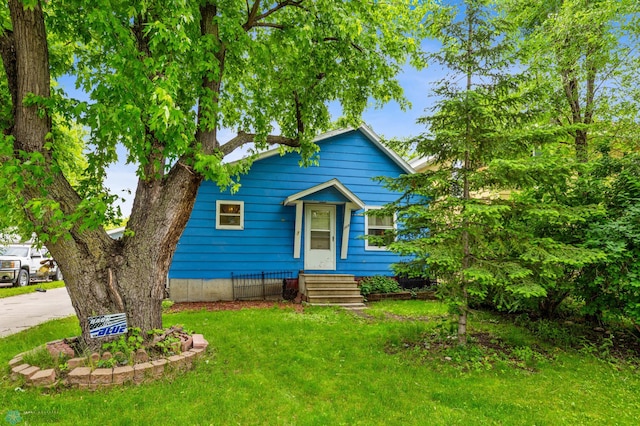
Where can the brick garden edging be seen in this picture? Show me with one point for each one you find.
(87, 378)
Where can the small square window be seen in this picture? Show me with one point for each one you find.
(229, 214)
(379, 230)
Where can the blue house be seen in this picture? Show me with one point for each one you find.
(287, 221)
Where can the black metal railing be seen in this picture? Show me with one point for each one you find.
(259, 285)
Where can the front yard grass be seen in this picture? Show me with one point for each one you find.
(327, 366)
(14, 291)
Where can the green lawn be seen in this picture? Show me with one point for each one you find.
(14, 291)
(329, 367)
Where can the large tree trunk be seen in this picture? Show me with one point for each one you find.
(103, 276)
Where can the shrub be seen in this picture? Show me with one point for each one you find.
(166, 305)
(125, 345)
(378, 284)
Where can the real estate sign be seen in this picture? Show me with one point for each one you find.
(108, 325)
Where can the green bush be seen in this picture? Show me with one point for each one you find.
(167, 304)
(378, 284)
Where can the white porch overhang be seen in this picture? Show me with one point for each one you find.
(351, 203)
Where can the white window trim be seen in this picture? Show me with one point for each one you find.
(366, 229)
(235, 227)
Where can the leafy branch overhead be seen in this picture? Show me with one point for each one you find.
(174, 87)
(164, 81)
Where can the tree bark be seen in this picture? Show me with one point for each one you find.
(102, 276)
(466, 193)
(581, 114)
(31, 75)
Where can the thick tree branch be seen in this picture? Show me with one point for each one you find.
(269, 25)
(355, 46)
(299, 119)
(154, 167)
(32, 75)
(570, 85)
(142, 42)
(28, 62)
(251, 14)
(207, 134)
(253, 19)
(244, 138)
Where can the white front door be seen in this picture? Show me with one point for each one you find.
(320, 237)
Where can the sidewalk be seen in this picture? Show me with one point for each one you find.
(18, 313)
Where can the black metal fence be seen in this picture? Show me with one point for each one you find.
(259, 285)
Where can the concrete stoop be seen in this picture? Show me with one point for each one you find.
(332, 290)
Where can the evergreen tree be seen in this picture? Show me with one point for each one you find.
(451, 219)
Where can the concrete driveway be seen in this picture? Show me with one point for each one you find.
(18, 313)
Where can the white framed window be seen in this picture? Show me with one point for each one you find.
(381, 228)
(229, 214)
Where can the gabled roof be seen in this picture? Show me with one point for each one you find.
(367, 132)
(333, 183)
(422, 163)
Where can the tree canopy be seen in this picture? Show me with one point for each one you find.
(163, 79)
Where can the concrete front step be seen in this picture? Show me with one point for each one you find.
(324, 278)
(328, 284)
(334, 299)
(350, 306)
(335, 291)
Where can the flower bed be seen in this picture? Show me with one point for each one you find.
(105, 370)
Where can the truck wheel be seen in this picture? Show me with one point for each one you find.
(58, 275)
(23, 278)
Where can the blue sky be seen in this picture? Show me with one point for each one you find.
(389, 121)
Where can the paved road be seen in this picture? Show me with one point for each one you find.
(18, 313)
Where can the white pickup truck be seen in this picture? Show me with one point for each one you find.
(21, 264)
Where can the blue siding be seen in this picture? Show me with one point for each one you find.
(331, 195)
(266, 242)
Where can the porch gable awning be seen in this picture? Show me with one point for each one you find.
(351, 202)
(334, 183)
